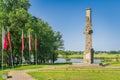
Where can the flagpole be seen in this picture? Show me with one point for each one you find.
(36, 57)
(11, 55)
(11, 58)
(36, 47)
(22, 48)
(22, 58)
(2, 47)
(29, 48)
(9, 37)
(29, 56)
(2, 60)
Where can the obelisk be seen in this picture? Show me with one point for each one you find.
(88, 53)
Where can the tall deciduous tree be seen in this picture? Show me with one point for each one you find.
(14, 14)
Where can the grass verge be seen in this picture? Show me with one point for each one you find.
(77, 74)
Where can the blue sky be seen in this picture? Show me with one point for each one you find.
(68, 17)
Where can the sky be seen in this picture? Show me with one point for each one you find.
(68, 17)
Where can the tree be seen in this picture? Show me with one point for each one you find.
(14, 14)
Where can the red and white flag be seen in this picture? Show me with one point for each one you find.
(23, 47)
(9, 40)
(4, 40)
(30, 40)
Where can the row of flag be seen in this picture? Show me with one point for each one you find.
(7, 40)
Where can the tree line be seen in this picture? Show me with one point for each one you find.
(68, 52)
(15, 16)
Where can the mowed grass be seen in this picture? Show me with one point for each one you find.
(1, 75)
(77, 74)
(114, 64)
(27, 67)
(68, 72)
(24, 67)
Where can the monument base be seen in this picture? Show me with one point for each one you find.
(88, 58)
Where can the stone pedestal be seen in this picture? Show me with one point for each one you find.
(88, 58)
(88, 53)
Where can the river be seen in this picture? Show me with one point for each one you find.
(74, 60)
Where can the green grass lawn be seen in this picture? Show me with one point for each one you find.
(28, 67)
(80, 74)
(24, 67)
(1, 72)
(65, 72)
(114, 64)
(0, 75)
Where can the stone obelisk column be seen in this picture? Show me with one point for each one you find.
(88, 53)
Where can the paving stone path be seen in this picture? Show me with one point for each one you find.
(22, 74)
(19, 75)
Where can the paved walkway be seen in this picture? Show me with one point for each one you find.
(19, 75)
(22, 74)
